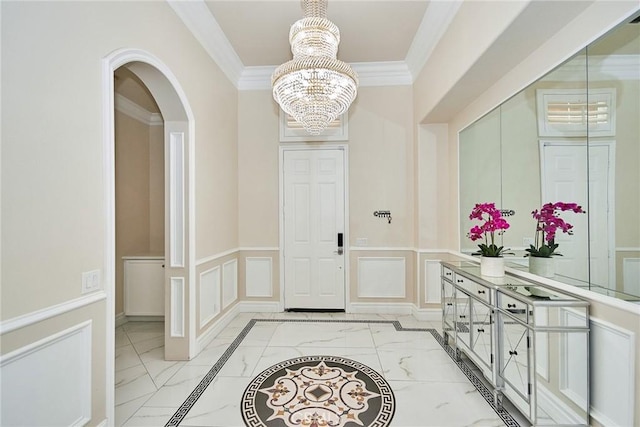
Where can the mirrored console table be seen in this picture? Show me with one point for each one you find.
(530, 342)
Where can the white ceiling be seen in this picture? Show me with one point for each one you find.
(386, 41)
(371, 31)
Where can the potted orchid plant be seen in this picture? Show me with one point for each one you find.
(493, 224)
(548, 224)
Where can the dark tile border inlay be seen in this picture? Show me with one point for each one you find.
(484, 391)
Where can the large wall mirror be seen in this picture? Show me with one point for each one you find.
(572, 136)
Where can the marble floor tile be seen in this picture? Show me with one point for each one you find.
(386, 337)
(178, 387)
(441, 404)
(159, 369)
(121, 338)
(259, 335)
(322, 335)
(151, 417)
(125, 410)
(430, 389)
(243, 362)
(126, 357)
(132, 383)
(219, 405)
(419, 365)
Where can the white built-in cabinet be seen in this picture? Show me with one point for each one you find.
(143, 286)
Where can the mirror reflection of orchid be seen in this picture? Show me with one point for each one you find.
(548, 223)
(493, 224)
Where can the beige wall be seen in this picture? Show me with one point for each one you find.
(53, 209)
(139, 194)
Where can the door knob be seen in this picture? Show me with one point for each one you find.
(340, 251)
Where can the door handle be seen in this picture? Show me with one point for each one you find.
(340, 250)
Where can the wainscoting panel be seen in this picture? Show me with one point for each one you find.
(209, 295)
(229, 282)
(258, 277)
(612, 351)
(381, 277)
(432, 286)
(176, 196)
(52, 375)
(177, 307)
(631, 275)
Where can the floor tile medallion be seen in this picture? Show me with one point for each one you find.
(318, 391)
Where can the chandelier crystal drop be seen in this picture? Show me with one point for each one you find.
(314, 87)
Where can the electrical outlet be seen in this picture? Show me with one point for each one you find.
(362, 241)
(91, 281)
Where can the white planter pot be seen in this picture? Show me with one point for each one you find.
(544, 267)
(492, 266)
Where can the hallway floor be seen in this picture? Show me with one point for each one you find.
(430, 388)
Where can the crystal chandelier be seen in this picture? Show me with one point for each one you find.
(314, 87)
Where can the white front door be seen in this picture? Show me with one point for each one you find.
(586, 253)
(314, 219)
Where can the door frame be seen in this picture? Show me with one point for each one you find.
(611, 146)
(347, 270)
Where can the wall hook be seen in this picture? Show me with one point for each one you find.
(383, 214)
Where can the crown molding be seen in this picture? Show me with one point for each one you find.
(392, 73)
(435, 22)
(136, 112)
(198, 18)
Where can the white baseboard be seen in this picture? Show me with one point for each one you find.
(103, 423)
(427, 314)
(241, 307)
(259, 307)
(121, 319)
(559, 411)
(380, 307)
(217, 327)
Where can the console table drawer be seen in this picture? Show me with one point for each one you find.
(447, 274)
(513, 306)
(473, 288)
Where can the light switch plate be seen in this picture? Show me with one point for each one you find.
(91, 281)
(362, 241)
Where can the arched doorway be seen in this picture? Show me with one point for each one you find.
(180, 340)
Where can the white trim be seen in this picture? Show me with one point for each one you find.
(386, 260)
(136, 112)
(176, 199)
(627, 249)
(233, 264)
(256, 261)
(259, 307)
(427, 314)
(435, 22)
(559, 412)
(216, 256)
(629, 393)
(84, 329)
(381, 248)
(198, 19)
(144, 257)
(110, 63)
(256, 249)
(390, 73)
(120, 319)
(381, 307)
(34, 317)
(345, 149)
(384, 73)
(103, 423)
(177, 307)
(217, 275)
(205, 338)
